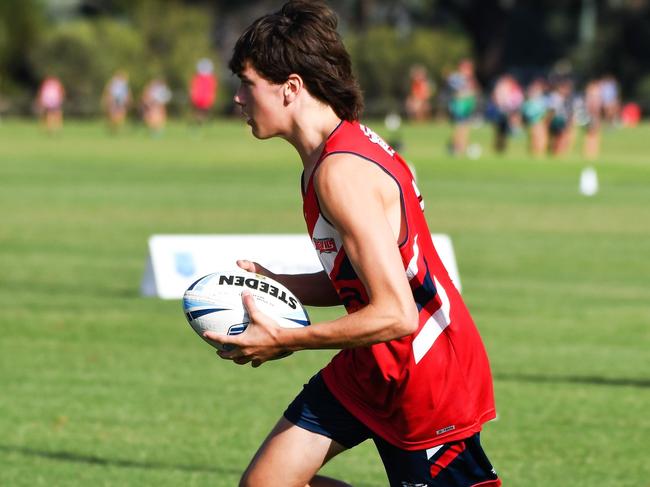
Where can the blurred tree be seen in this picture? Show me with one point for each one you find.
(83, 55)
(529, 36)
(361, 13)
(620, 47)
(21, 24)
(523, 36)
(176, 36)
(383, 57)
(487, 23)
(147, 38)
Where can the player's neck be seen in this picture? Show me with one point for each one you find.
(310, 130)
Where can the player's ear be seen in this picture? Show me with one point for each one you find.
(292, 87)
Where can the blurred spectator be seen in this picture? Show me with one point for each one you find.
(464, 91)
(593, 108)
(630, 114)
(561, 124)
(534, 111)
(155, 97)
(203, 90)
(49, 103)
(116, 99)
(418, 106)
(507, 99)
(610, 99)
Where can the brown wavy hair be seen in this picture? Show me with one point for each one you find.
(301, 38)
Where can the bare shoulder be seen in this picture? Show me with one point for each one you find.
(340, 173)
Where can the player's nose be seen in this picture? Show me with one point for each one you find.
(238, 98)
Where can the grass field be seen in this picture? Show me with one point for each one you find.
(99, 386)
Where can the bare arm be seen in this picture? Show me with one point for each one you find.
(369, 235)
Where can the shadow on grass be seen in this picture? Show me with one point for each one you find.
(65, 456)
(575, 379)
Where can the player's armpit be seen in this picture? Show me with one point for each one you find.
(312, 289)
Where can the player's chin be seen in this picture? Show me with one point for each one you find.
(261, 135)
(260, 132)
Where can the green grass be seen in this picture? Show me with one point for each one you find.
(99, 386)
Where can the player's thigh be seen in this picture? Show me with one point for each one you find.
(290, 456)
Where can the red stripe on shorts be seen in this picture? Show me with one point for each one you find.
(446, 458)
(489, 483)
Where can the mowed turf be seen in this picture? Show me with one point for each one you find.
(99, 386)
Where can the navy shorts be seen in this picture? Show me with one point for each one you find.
(456, 464)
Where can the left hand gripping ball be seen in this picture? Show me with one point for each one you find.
(214, 303)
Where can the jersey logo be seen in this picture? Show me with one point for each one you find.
(447, 429)
(325, 245)
(375, 139)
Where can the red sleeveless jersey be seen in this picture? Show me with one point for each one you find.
(425, 389)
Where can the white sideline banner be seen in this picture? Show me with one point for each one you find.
(176, 261)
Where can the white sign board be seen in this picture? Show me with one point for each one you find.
(176, 261)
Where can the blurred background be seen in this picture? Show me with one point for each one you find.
(523, 121)
(84, 42)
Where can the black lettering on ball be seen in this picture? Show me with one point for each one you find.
(252, 283)
(226, 280)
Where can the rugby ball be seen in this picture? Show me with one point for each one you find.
(214, 303)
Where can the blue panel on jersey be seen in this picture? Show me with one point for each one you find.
(346, 271)
(426, 291)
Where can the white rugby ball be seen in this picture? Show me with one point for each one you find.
(214, 303)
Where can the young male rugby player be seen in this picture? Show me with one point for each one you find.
(412, 373)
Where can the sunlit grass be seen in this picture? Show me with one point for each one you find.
(99, 386)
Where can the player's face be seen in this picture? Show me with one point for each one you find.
(261, 103)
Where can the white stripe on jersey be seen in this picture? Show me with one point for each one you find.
(412, 269)
(434, 326)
